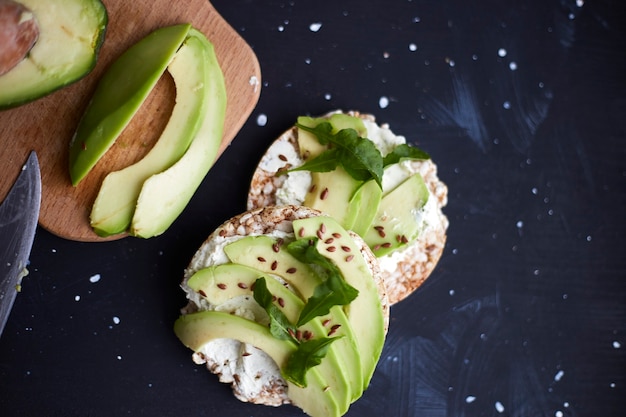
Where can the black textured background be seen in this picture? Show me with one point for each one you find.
(521, 103)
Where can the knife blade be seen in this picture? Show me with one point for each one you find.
(19, 213)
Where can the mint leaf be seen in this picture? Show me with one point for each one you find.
(404, 151)
(357, 155)
(334, 290)
(280, 327)
(308, 355)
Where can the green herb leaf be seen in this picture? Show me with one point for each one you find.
(334, 290)
(404, 151)
(357, 155)
(280, 327)
(308, 355)
(324, 162)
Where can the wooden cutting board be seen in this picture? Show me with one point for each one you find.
(47, 125)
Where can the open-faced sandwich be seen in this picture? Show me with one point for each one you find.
(371, 181)
(288, 307)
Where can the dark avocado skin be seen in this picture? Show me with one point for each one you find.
(28, 95)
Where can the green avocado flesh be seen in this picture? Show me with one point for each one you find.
(71, 33)
(197, 329)
(114, 206)
(357, 205)
(345, 371)
(120, 92)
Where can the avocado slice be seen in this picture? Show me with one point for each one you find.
(197, 329)
(119, 94)
(114, 206)
(367, 200)
(394, 224)
(266, 254)
(220, 283)
(165, 195)
(365, 312)
(71, 33)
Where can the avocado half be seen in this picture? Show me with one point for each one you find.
(71, 33)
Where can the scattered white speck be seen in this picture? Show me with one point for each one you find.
(541, 84)
(53, 250)
(77, 298)
(558, 413)
(519, 224)
(559, 375)
(502, 52)
(565, 296)
(483, 336)
(470, 399)
(506, 105)
(474, 57)
(455, 251)
(150, 385)
(617, 344)
(307, 61)
(412, 47)
(571, 16)
(94, 278)
(536, 272)
(589, 238)
(580, 3)
(119, 357)
(281, 28)
(534, 190)
(612, 385)
(314, 27)
(254, 82)
(327, 96)
(383, 102)
(513, 65)
(386, 55)
(261, 119)
(451, 292)
(499, 407)
(416, 19)
(116, 320)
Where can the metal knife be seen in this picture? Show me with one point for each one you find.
(19, 213)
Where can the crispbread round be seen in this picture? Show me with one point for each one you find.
(404, 271)
(227, 360)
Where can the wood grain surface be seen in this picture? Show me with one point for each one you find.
(47, 125)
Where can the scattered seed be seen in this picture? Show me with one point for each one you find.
(307, 335)
(326, 322)
(274, 265)
(311, 242)
(221, 286)
(326, 388)
(298, 335)
(404, 239)
(222, 233)
(242, 285)
(261, 259)
(379, 228)
(281, 302)
(320, 234)
(324, 194)
(323, 228)
(292, 333)
(313, 188)
(346, 248)
(329, 240)
(275, 247)
(282, 157)
(376, 247)
(337, 235)
(386, 245)
(301, 232)
(246, 354)
(382, 233)
(202, 293)
(273, 297)
(331, 248)
(291, 270)
(349, 258)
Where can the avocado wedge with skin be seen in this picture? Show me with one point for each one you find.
(60, 56)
